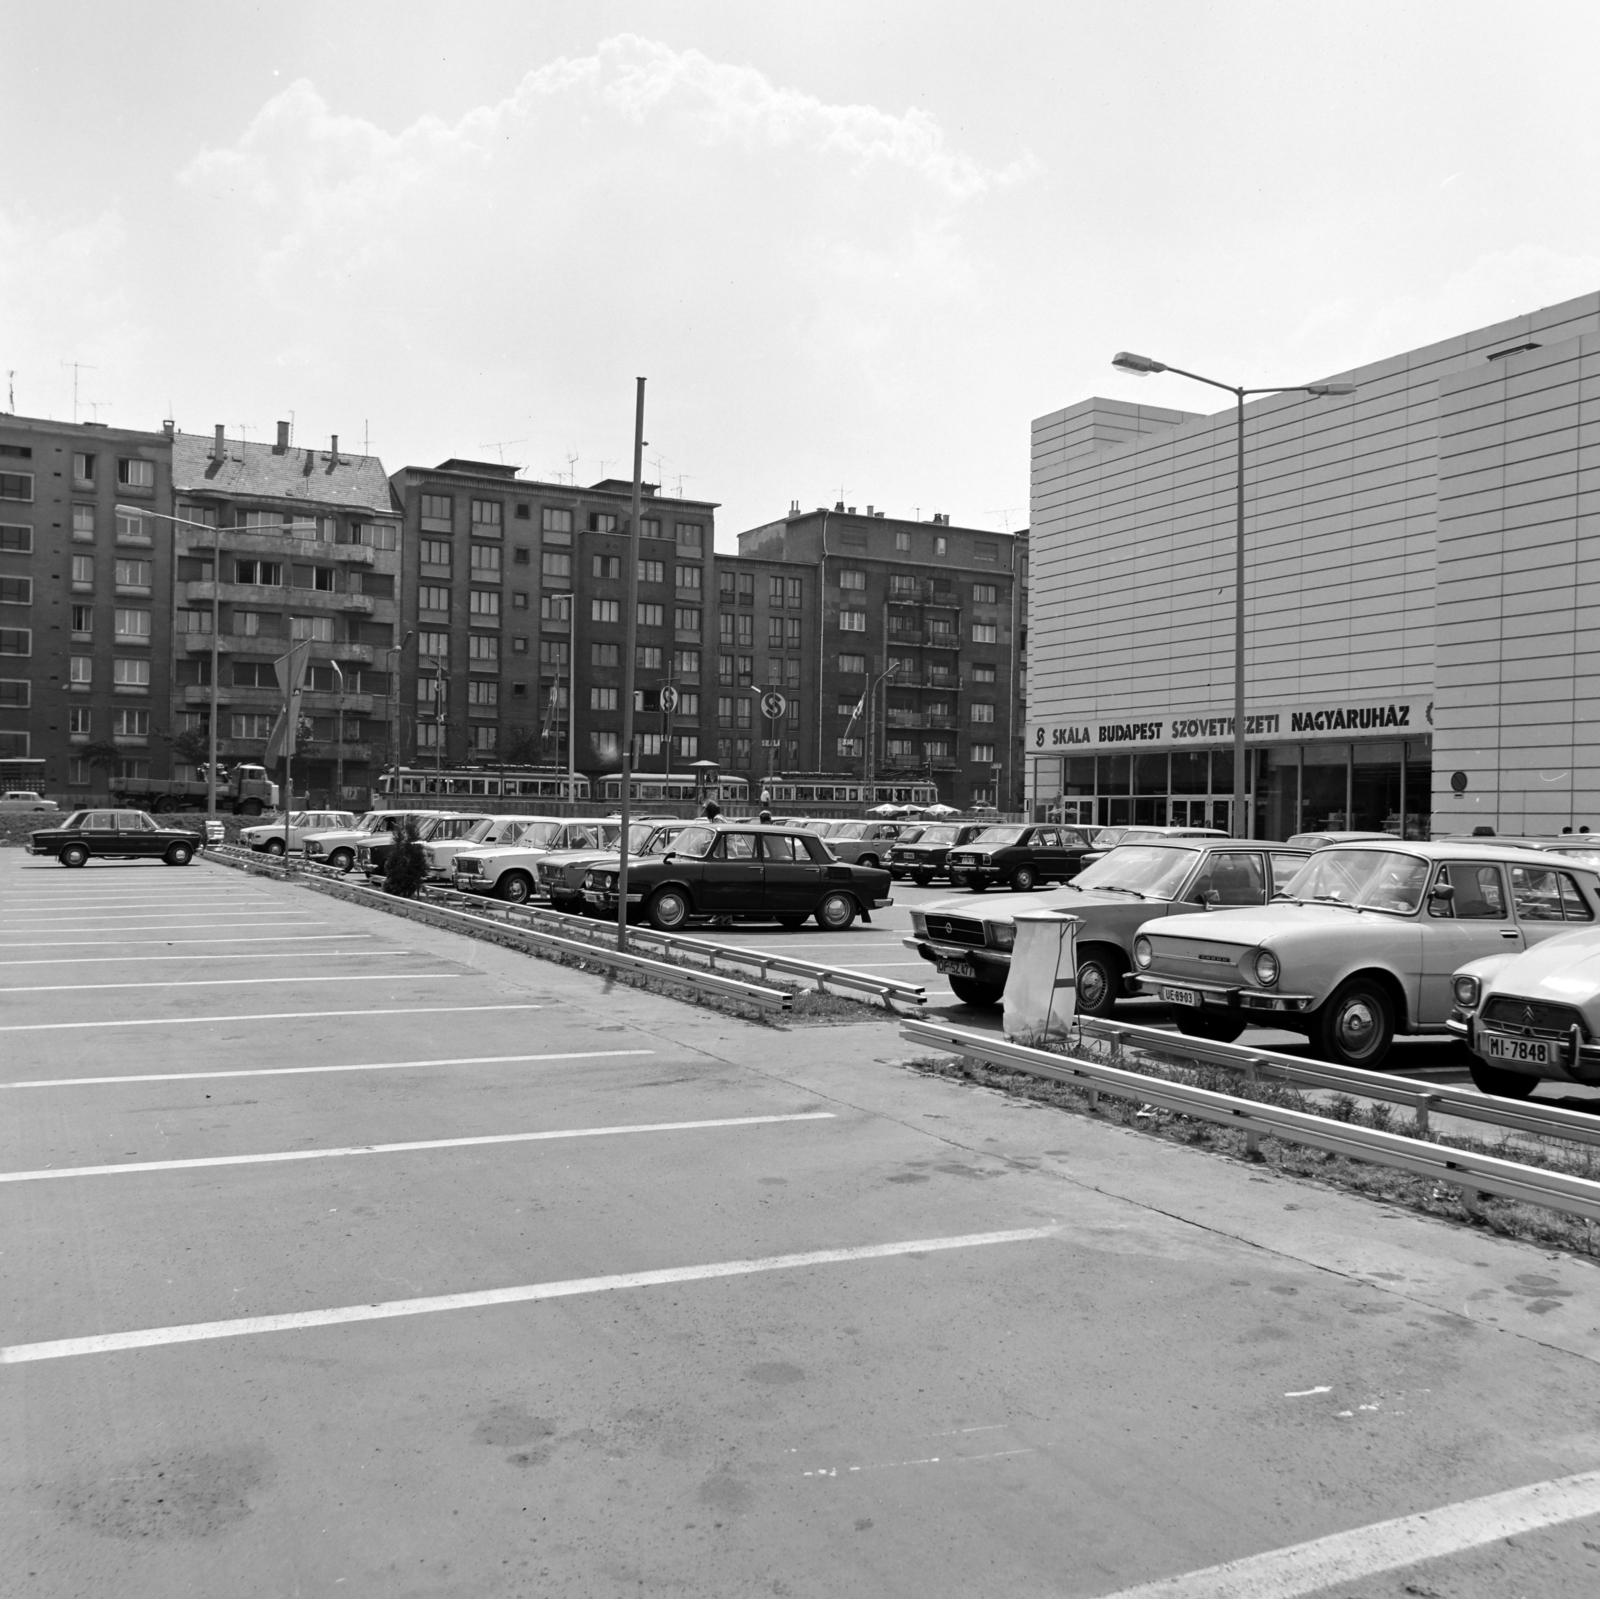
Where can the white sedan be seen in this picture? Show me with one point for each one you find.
(268, 837)
(25, 800)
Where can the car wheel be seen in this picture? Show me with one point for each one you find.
(250, 807)
(517, 887)
(1216, 1029)
(1502, 1084)
(923, 879)
(867, 860)
(669, 910)
(274, 846)
(178, 855)
(73, 855)
(791, 922)
(1356, 1026)
(1099, 983)
(1023, 879)
(981, 996)
(836, 913)
(342, 859)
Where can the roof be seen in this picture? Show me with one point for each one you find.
(261, 471)
(1448, 849)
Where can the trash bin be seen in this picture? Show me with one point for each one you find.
(1041, 997)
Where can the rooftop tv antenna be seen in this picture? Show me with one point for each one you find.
(11, 391)
(572, 469)
(95, 406)
(77, 367)
(499, 445)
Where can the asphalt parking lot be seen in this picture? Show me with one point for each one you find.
(347, 1256)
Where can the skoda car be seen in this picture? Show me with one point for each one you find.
(1021, 856)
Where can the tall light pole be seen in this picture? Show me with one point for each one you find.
(1142, 366)
(338, 760)
(872, 696)
(630, 635)
(393, 654)
(572, 680)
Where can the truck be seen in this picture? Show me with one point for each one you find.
(246, 790)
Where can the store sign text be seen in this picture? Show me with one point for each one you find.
(1214, 729)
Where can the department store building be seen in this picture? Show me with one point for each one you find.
(1422, 596)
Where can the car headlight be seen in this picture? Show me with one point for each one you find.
(1266, 967)
(1002, 934)
(1467, 991)
(1143, 951)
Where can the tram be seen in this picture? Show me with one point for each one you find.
(832, 788)
(677, 786)
(514, 782)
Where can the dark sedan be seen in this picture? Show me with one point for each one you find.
(115, 835)
(757, 873)
(1021, 857)
(921, 854)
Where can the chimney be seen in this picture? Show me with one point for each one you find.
(169, 427)
(838, 505)
(333, 450)
(219, 450)
(869, 510)
(282, 445)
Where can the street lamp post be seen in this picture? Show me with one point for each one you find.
(1142, 366)
(392, 654)
(872, 696)
(338, 759)
(572, 691)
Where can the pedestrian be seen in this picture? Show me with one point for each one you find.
(765, 818)
(712, 811)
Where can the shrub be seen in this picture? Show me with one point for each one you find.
(406, 868)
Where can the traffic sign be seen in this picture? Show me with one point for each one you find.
(774, 705)
(669, 699)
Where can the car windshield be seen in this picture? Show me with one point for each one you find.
(1155, 870)
(1109, 837)
(695, 842)
(938, 835)
(445, 827)
(851, 830)
(998, 835)
(1376, 879)
(372, 822)
(910, 835)
(658, 842)
(535, 835)
(77, 819)
(480, 830)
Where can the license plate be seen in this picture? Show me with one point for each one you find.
(1180, 996)
(1530, 1051)
(954, 967)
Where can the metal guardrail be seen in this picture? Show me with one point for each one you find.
(1511, 1115)
(1575, 1196)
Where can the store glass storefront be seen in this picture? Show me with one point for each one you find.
(1377, 786)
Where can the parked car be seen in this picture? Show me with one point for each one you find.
(1322, 840)
(559, 875)
(921, 854)
(372, 853)
(1363, 944)
(1102, 839)
(865, 843)
(440, 847)
(115, 835)
(508, 870)
(1022, 855)
(24, 800)
(268, 838)
(1111, 898)
(337, 847)
(766, 873)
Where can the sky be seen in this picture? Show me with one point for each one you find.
(854, 247)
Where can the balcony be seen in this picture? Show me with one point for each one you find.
(326, 702)
(200, 643)
(353, 554)
(921, 591)
(904, 638)
(200, 694)
(318, 750)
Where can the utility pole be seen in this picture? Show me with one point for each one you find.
(338, 760)
(438, 716)
(630, 636)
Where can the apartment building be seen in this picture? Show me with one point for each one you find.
(273, 544)
(515, 590)
(85, 571)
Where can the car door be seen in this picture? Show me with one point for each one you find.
(731, 875)
(136, 834)
(1050, 857)
(1547, 901)
(792, 880)
(1475, 920)
(1229, 878)
(99, 832)
(1286, 866)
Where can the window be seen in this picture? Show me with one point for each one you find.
(431, 598)
(130, 674)
(136, 474)
(941, 547)
(319, 628)
(483, 648)
(982, 674)
(900, 746)
(519, 601)
(80, 721)
(133, 627)
(83, 621)
(688, 577)
(485, 738)
(747, 631)
(555, 566)
(78, 772)
(436, 645)
(985, 632)
(605, 610)
(689, 707)
(741, 752)
(848, 746)
(936, 749)
(247, 624)
(520, 555)
(982, 550)
(555, 525)
(130, 724)
(318, 578)
(902, 541)
(484, 606)
(686, 663)
(648, 743)
(605, 747)
(17, 540)
(83, 571)
(524, 511)
(253, 724)
(647, 657)
(650, 527)
(133, 528)
(483, 691)
(982, 712)
(253, 674)
(16, 486)
(686, 619)
(742, 712)
(852, 664)
(652, 571)
(83, 524)
(985, 593)
(82, 470)
(553, 652)
(427, 690)
(745, 670)
(486, 518)
(852, 621)
(847, 708)
(437, 512)
(725, 710)
(686, 745)
(379, 535)
(900, 583)
(794, 589)
(605, 655)
(555, 607)
(16, 591)
(689, 535)
(941, 627)
(725, 627)
(791, 679)
(435, 552)
(724, 668)
(602, 699)
(982, 754)
(602, 522)
(791, 633)
(134, 574)
(775, 592)
(428, 735)
(486, 559)
(774, 632)
(1479, 893)
(264, 574)
(852, 580)
(747, 588)
(652, 615)
(725, 587)
(81, 669)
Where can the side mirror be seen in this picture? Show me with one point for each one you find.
(1208, 897)
(1443, 892)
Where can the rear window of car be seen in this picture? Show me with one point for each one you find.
(1545, 895)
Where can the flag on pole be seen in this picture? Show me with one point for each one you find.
(291, 673)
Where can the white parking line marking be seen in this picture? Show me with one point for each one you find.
(113, 943)
(234, 982)
(263, 1016)
(132, 1168)
(295, 1321)
(301, 1071)
(374, 953)
(162, 927)
(1308, 1568)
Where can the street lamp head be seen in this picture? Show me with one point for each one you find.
(1140, 366)
(1331, 388)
